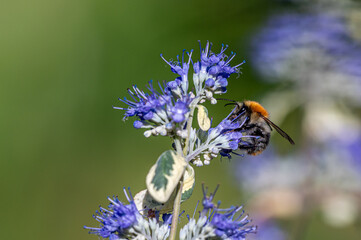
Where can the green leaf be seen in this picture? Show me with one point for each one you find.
(164, 176)
(203, 121)
(188, 193)
(164, 167)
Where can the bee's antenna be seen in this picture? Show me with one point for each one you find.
(225, 99)
(233, 103)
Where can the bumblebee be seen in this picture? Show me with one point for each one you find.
(255, 122)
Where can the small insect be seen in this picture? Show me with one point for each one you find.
(256, 122)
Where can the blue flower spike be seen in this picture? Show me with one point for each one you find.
(157, 110)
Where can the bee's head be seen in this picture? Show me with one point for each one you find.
(243, 107)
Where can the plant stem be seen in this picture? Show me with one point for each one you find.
(176, 210)
(177, 201)
(189, 127)
(178, 146)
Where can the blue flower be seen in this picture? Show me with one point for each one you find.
(223, 223)
(117, 219)
(314, 51)
(229, 225)
(217, 65)
(213, 70)
(207, 201)
(210, 72)
(157, 110)
(180, 68)
(179, 111)
(166, 110)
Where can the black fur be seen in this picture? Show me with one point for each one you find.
(260, 130)
(263, 136)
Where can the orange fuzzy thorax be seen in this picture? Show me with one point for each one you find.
(256, 107)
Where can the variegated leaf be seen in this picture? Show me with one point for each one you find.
(164, 176)
(145, 203)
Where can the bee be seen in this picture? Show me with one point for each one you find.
(255, 122)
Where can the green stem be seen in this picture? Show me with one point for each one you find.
(176, 210)
(177, 201)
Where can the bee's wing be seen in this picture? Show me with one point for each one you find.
(278, 129)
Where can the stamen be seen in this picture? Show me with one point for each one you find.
(200, 48)
(161, 55)
(183, 57)
(204, 189)
(239, 115)
(241, 155)
(206, 49)
(245, 119)
(243, 62)
(130, 194)
(214, 193)
(210, 47)
(190, 56)
(195, 210)
(119, 108)
(231, 112)
(230, 58)
(125, 193)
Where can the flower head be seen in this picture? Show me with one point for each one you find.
(158, 111)
(165, 111)
(229, 225)
(212, 71)
(222, 223)
(180, 68)
(123, 221)
(116, 220)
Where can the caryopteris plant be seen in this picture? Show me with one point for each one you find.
(167, 109)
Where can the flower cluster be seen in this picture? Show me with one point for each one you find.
(315, 51)
(160, 112)
(222, 140)
(165, 111)
(123, 221)
(212, 71)
(216, 222)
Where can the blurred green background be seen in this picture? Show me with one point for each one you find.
(63, 65)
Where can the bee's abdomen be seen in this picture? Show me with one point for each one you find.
(259, 142)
